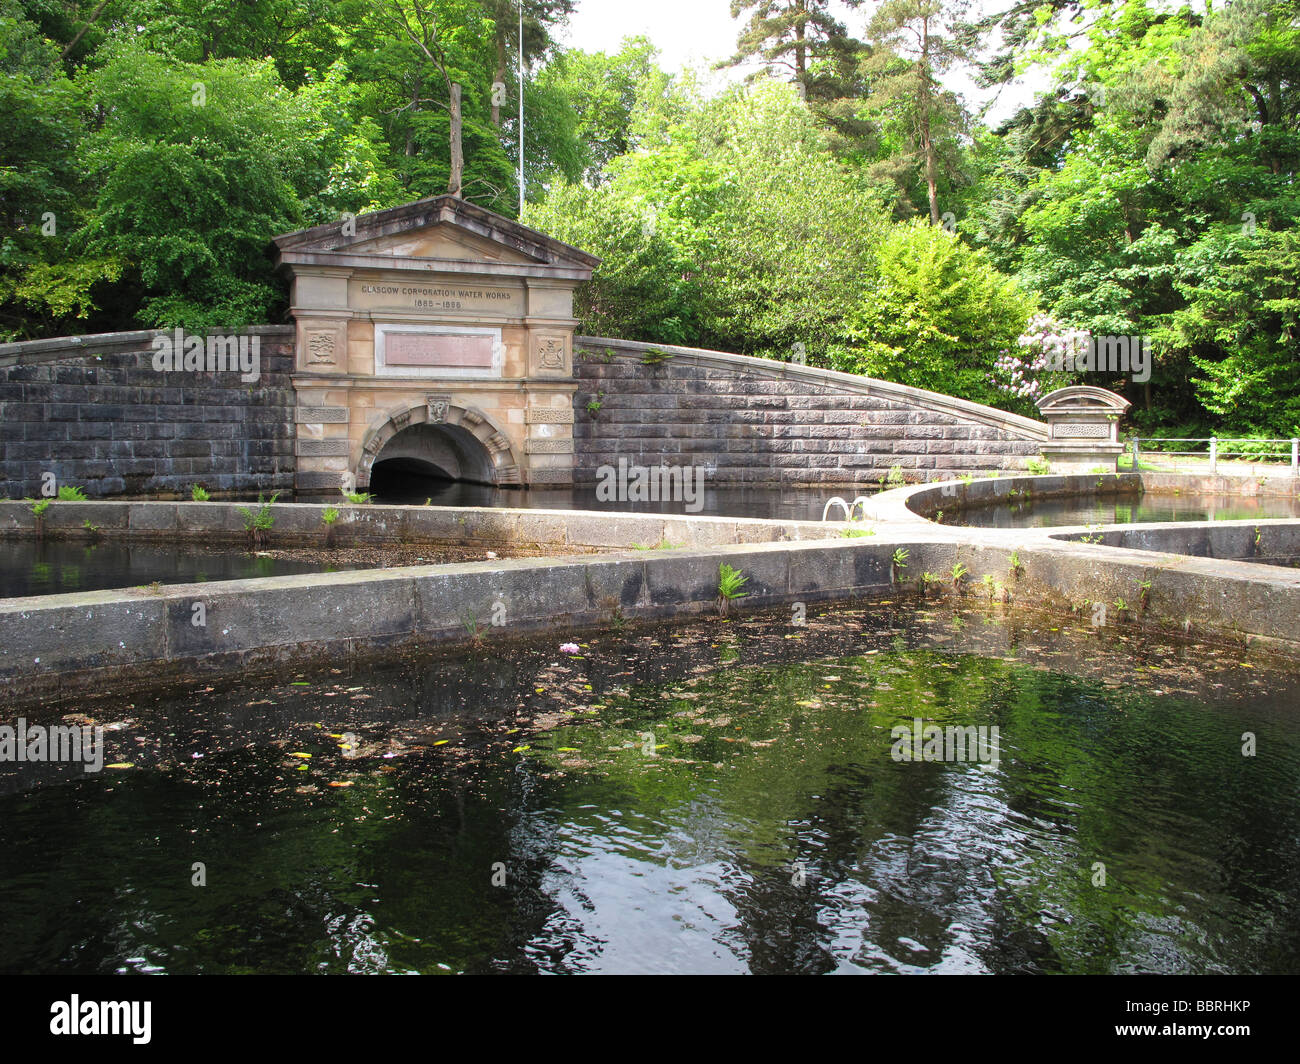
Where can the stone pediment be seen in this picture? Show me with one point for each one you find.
(433, 232)
(1082, 399)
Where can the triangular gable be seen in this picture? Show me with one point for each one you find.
(443, 228)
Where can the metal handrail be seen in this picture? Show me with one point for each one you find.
(1219, 447)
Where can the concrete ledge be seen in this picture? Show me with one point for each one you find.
(1266, 541)
(1283, 484)
(64, 643)
(299, 524)
(60, 645)
(952, 496)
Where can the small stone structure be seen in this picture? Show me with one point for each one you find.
(1082, 428)
(437, 332)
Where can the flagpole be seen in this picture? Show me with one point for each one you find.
(521, 107)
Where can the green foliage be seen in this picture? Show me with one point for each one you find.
(1037, 466)
(357, 498)
(71, 493)
(198, 493)
(41, 189)
(730, 581)
(329, 515)
(258, 523)
(938, 316)
(663, 544)
(731, 228)
(195, 166)
(898, 563)
(1150, 190)
(39, 507)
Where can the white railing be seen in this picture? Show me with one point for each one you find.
(1221, 448)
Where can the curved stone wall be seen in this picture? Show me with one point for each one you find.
(95, 412)
(762, 422)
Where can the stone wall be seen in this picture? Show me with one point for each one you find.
(762, 422)
(93, 411)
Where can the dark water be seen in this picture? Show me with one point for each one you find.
(1046, 513)
(791, 504)
(55, 567)
(718, 797)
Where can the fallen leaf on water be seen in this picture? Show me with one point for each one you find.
(337, 783)
(299, 754)
(442, 742)
(520, 749)
(301, 768)
(121, 764)
(567, 749)
(300, 683)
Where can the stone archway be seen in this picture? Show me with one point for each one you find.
(461, 442)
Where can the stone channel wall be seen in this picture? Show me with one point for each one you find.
(93, 411)
(753, 421)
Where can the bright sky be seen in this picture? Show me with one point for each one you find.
(700, 32)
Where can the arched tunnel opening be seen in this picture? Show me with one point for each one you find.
(430, 461)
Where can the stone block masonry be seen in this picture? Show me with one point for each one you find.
(93, 411)
(759, 422)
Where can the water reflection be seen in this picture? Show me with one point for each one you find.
(1045, 513)
(644, 809)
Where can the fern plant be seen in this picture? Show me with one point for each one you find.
(259, 523)
(730, 581)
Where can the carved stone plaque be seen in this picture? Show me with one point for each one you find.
(550, 415)
(1064, 430)
(321, 348)
(415, 349)
(550, 354)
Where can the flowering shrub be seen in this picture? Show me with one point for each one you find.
(1036, 368)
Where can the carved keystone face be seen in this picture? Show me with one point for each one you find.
(438, 406)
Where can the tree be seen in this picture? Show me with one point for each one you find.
(540, 17)
(790, 35)
(42, 193)
(938, 316)
(195, 166)
(607, 96)
(916, 42)
(755, 238)
(408, 54)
